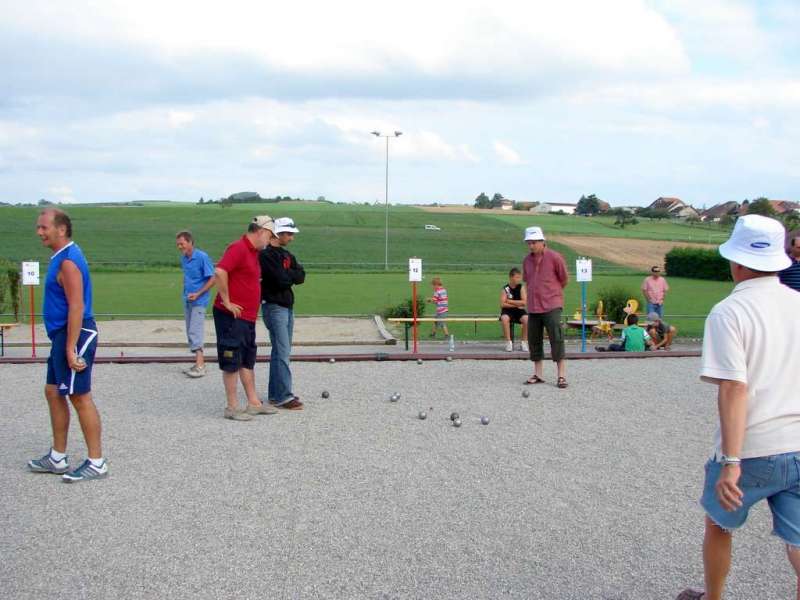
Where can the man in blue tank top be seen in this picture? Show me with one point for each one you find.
(70, 325)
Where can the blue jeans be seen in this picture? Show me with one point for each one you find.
(280, 324)
(775, 479)
(656, 308)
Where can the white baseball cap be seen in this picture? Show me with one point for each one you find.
(285, 225)
(533, 234)
(264, 222)
(757, 243)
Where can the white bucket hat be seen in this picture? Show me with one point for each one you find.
(757, 243)
(534, 234)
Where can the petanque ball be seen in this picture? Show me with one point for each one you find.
(325, 394)
(457, 423)
(422, 415)
(484, 420)
(332, 360)
(449, 359)
(454, 416)
(525, 393)
(419, 361)
(394, 397)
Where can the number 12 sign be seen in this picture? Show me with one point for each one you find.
(415, 269)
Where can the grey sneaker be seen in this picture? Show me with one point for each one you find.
(691, 594)
(236, 415)
(46, 464)
(86, 472)
(195, 372)
(261, 409)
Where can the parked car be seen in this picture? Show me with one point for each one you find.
(432, 228)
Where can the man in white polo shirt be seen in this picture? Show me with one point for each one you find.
(752, 353)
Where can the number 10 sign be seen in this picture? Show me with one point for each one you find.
(30, 273)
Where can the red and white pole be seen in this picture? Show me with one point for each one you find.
(33, 324)
(414, 312)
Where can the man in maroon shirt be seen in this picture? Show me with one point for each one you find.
(545, 275)
(238, 276)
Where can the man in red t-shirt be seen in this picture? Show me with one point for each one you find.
(238, 279)
(545, 275)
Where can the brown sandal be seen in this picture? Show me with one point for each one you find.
(562, 382)
(534, 379)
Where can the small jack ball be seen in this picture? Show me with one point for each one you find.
(457, 423)
(526, 394)
(484, 420)
(454, 416)
(326, 394)
(423, 415)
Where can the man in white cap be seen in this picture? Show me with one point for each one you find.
(545, 275)
(279, 272)
(752, 353)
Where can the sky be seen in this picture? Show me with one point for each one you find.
(113, 100)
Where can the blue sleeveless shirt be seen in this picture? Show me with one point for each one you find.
(55, 307)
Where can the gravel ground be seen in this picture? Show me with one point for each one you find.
(588, 492)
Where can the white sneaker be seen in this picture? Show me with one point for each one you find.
(524, 347)
(195, 372)
(509, 347)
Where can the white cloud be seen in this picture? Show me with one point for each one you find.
(61, 193)
(507, 154)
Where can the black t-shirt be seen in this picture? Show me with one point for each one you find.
(513, 293)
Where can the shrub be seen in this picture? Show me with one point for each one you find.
(405, 309)
(697, 263)
(614, 300)
(9, 287)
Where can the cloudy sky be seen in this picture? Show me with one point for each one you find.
(538, 100)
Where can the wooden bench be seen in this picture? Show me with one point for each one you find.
(3, 328)
(408, 322)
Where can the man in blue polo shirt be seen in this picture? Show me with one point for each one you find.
(69, 321)
(791, 275)
(198, 278)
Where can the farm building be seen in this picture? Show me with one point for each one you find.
(676, 207)
(548, 207)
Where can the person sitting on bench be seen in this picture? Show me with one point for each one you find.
(634, 338)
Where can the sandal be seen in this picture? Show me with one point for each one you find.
(534, 379)
(562, 382)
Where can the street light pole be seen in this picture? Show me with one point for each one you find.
(386, 193)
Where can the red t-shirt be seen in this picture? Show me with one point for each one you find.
(546, 277)
(240, 261)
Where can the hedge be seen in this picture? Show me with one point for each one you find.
(697, 263)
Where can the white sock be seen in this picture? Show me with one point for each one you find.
(97, 462)
(57, 456)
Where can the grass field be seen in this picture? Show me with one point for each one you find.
(142, 293)
(333, 237)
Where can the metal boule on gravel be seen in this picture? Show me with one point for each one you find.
(525, 393)
(332, 360)
(394, 397)
(449, 359)
(419, 361)
(454, 416)
(484, 420)
(457, 423)
(422, 415)
(325, 394)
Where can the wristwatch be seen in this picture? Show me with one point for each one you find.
(730, 460)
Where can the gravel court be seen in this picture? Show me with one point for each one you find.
(588, 492)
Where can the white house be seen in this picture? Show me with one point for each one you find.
(548, 207)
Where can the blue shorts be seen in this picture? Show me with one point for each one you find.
(58, 372)
(774, 478)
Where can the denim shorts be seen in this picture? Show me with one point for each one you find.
(774, 478)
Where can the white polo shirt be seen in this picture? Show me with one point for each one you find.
(753, 336)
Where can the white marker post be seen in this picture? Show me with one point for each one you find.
(583, 274)
(414, 276)
(30, 277)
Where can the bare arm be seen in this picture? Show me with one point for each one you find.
(72, 282)
(732, 403)
(221, 279)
